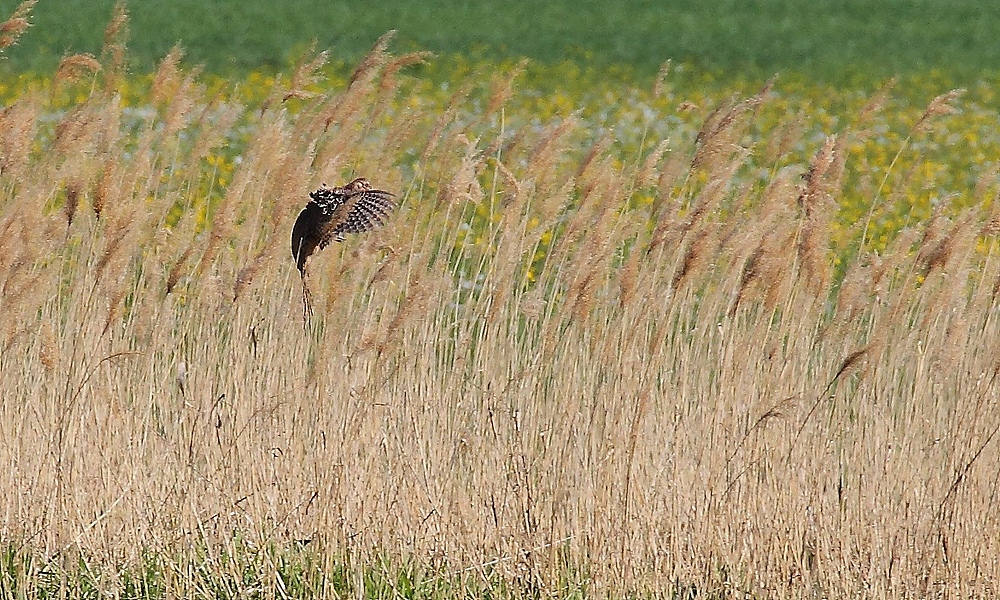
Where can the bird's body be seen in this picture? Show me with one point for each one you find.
(333, 212)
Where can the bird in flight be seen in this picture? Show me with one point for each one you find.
(332, 212)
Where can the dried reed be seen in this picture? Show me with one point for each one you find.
(533, 380)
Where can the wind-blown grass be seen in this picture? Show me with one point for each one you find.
(652, 359)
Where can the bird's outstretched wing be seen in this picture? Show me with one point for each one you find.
(366, 210)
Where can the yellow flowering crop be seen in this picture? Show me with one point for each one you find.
(900, 165)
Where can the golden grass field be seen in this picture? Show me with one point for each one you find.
(570, 366)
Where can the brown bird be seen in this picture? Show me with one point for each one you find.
(332, 212)
(353, 208)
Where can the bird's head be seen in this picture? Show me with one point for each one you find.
(358, 185)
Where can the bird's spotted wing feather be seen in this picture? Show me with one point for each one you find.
(370, 209)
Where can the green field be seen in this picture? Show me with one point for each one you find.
(626, 333)
(829, 40)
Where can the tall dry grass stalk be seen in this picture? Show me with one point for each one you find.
(16, 24)
(525, 377)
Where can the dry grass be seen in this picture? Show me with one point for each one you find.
(521, 384)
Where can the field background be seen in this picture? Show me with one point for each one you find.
(683, 332)
(827, 40)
